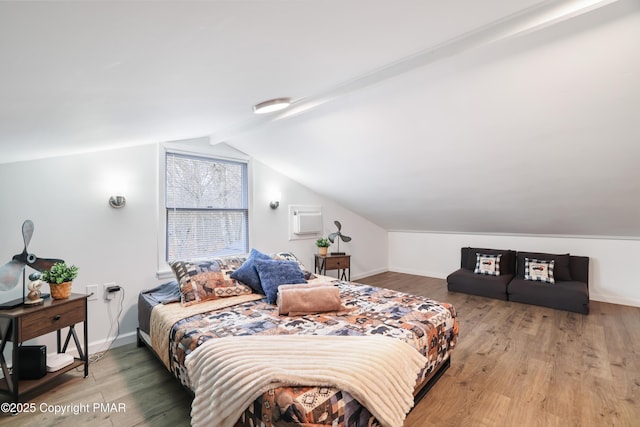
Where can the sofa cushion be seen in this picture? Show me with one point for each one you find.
(579, 268)
(466, 281)
(487, 264)
(538, 270)
(563, 295)
(561, 271)
(507, 260)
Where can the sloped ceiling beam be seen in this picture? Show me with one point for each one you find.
(527, 21)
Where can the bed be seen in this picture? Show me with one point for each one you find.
(176, 333)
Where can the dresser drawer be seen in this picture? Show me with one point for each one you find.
(334, 263)
(51, 318)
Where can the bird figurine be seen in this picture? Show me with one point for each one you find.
(34, 297)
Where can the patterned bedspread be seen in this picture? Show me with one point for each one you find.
(429, 326)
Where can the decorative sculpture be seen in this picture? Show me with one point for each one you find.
(11, 271)
(338, 236)
(34, 296)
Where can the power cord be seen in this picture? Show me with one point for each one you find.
(93, 358)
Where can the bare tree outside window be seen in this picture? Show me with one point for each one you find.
(207, 209)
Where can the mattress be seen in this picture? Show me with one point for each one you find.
(429, 326)
(163, 294)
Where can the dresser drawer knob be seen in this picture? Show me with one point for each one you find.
(57, 317)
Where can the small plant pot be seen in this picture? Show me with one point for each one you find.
(323, 251)
(60, 290)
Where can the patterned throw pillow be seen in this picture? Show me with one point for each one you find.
(291, 257)
(274, 273)
(205, 280)
(538, 270)
(487, 264)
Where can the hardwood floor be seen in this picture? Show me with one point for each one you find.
(523, 365)
(514, 365)
(129, 377)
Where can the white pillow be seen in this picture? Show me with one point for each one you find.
(538, 270)
(487, 264)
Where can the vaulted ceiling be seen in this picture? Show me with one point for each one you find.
(500, 116)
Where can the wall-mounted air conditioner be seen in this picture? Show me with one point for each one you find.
(305, 221)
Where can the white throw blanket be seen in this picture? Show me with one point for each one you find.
(228, 374)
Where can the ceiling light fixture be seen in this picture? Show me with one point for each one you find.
(272, 105)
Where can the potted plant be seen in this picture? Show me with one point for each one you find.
(59, 278)
(323, 245)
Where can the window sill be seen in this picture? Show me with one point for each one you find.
(165, 274)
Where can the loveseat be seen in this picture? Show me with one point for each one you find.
(569, 274)
(466, 281)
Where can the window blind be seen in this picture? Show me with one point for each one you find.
(207, 207)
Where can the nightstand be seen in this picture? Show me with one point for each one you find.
(24, 323)
(342, 263)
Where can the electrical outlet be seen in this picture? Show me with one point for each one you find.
(109, 295)
(92, 291)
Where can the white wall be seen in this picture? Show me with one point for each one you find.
(66, 197)
(612, 265)
(269, 227)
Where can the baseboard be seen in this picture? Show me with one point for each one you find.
(368, 273)
(334, 273)
(419, 272)
(98, 346)
(102, 345)
(613, 299)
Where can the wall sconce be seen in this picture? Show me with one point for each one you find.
(117, 202)
(274, 198)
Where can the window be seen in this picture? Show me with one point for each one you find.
(206, 207)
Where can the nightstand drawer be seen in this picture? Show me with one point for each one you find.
(342, 263)
(51, 319)
(334, 263)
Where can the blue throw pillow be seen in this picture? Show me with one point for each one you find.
(274, 273)
(247, 272)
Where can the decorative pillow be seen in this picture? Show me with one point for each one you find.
(487, 264)
(539, 270)
(274, 273)
(247, 272)
(561, 268)
(204, 280)
(291, 257)
(228, 264)
(507, 261)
